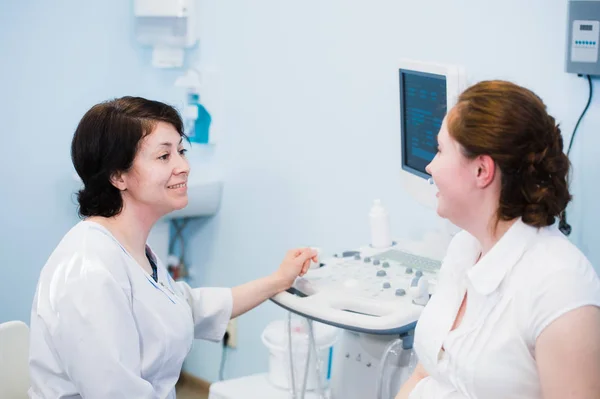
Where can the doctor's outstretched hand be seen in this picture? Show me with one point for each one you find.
(296, 263)
(247, 296)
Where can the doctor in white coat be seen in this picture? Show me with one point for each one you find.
(107, 320)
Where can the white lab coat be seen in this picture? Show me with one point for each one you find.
(525, 282)
(102, 328)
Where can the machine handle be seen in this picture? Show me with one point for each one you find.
(358, 313)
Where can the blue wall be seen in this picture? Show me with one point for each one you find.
(309, 129)
(311, 135)
(57, 60)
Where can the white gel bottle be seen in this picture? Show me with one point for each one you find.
(381, 236)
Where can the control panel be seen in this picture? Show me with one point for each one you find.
(365, 291)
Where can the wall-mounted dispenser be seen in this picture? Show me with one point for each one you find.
(169, 26)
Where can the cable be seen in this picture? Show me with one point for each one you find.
(305, 377)
(313, 346)
(563, 225)
(392, 347)
(223, 356)
(292, 374)
(589, 78)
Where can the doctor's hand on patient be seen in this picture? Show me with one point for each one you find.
(248, 296)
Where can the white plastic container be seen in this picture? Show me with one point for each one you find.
(275, 338)
(381, 236)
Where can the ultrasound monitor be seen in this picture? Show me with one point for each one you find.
(426, 92)
(423, 105)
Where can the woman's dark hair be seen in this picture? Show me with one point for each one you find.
(106, 141)
(510, 124)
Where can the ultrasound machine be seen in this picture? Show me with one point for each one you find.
(375, 295)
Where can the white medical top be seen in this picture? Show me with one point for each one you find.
(528, 279)
(101, 327)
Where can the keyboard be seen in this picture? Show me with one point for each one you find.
(410, 260)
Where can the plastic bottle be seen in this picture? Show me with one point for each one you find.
(198, 131)
(381, 236)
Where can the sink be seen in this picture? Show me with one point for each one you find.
(204, 198)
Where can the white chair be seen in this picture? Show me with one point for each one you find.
(14, 358)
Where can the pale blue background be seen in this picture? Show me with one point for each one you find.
(310, 135)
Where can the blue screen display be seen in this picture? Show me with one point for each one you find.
(423, 107)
